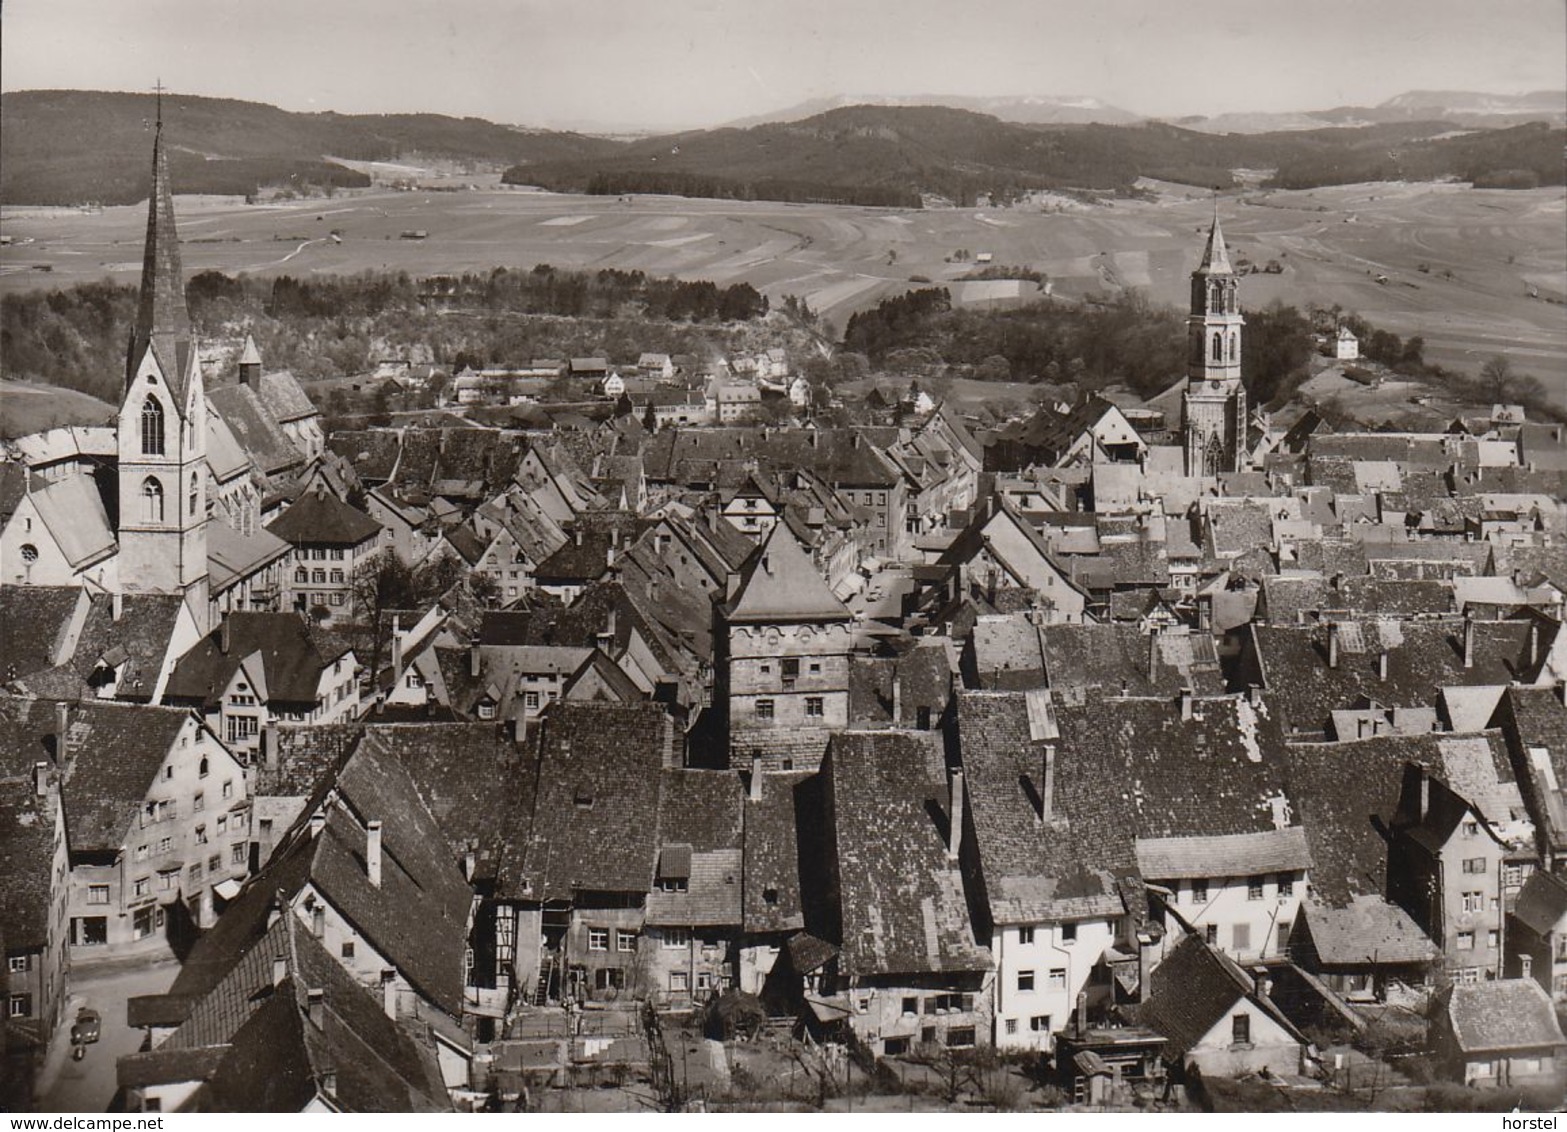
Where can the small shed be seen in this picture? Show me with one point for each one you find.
(1501, 1034)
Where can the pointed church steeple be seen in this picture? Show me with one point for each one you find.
(162, 318)
(1216, 256)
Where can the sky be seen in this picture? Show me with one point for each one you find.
(664, 64)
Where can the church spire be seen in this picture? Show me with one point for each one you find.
(1216, 256)
(162, 318)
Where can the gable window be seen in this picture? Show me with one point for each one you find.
(151, 427)
(152, 500)
(1240, 1029)
(1474, 865)
(228, 788)
(1025, 935)
(1068, 933)
(1471, 829)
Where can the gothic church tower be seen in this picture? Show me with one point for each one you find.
(1213, 410)
(163, 424)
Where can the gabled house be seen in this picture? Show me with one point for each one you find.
(284, 1027)
(1533, 722)
(257, 669)
(1000, 550)
(58, 533)
(1218, 1017)
(1501, 1035)
(909, 968)
(330, 542)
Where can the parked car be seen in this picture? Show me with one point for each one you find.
(87, 1027)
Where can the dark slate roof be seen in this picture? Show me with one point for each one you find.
(473, 777)
(114, 752)
(1423, 656)
(139, 639)
(262, 438)
(772, 856)
(304, 757)
(168, 1066)
(33, 620)
(1508, 1014)
(923, 676)
(372, 453)
(1122, 658)
(1535, 718)
(289, 658)
(1035, 870)
(1542, 902)
(274, 1054)
(1193, 990)
(1291, 599)
(26, 863)
(595, 819)
(902, 907)
(319, 518)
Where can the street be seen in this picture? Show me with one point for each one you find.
(89, 1085)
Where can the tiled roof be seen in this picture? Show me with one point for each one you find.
(33, 620)
(595, 821)
(1235, 854)
(284, 398)
(232, 556)
(1122, 658)
(73, 510)
(319, 518)
(473, 777)
(262, 438)
(1369, 929)
(782, 584)
(114, 752)
(772, 899)
(275, 1054)
(372, 453)
(26, 863)
(902, 908)
(290, 660)
(304, 757)
(1193, 990)
(1507, 1014)
(1542, 902)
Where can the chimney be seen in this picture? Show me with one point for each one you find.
(576, 536)
(1534, 643)
(1082, 1013)
(269, 747)
(62, 728)
(117, 605)
(373, 852)
(955, 817)
(1424, 800)
(279, 970)
(897, 698)
(756, 778)
(318, 921)
(223, 637)
(397, 645)
(1469, 642)
(1254, 694)
(1332, 644)
(1153, 656)
(317, 822)
(475, 661)
(328, 1081)
(40, 778)
(315, 997)
(519, 728)
(1047, 784)
(1186, 703)
(1261, 981)
(1382, 665)
(389, 992)
(469, 864)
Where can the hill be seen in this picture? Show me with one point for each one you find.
(26, 409)
(896, 154)
(1038, 109)
(69, 147)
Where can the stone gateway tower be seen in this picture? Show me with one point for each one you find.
(163, 424)
(1213, 411)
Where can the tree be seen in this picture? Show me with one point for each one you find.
(1496, 377)
(385, 582)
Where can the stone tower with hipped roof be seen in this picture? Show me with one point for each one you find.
(163, 423)
(1213, 410)
(782, 673)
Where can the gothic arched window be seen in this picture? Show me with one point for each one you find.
(151, 427)
(1235, 347)
(152, 500)
(195, 494)
(1213, 457)
(1218, 347)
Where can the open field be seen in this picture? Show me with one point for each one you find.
(26, 409)
(1334, 243)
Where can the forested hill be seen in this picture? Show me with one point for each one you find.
(69, 147)
(893, 154)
